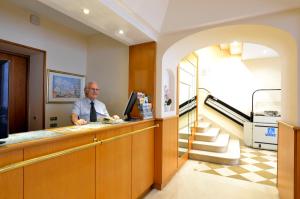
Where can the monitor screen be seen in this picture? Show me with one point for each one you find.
(4, 91)
(130, 105)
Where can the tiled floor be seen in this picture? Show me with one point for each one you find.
(258, 166)
(191, 184)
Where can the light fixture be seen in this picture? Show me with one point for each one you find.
(86, 11)
(235, 48)
(121, 32)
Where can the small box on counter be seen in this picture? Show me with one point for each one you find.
(145, 107)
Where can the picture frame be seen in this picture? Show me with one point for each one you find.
(63, 87)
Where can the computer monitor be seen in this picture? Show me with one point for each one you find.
(4, 91)
(130, 105)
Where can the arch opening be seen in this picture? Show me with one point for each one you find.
(281, 41)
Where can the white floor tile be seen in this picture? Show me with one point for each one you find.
(251, 168)
(268, 152)
(268, 157)
(202, 167)
(247, 150)
(249, 155)
(253, 177)
(225, 172)
(272, 164)
(273, 171)
(249, 160)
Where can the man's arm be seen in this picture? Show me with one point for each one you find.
(75, 113)
(76, 121)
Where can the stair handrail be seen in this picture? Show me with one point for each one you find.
(201, 88)
(245, 116)
(190, 101)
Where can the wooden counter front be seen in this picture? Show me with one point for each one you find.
(122, 168)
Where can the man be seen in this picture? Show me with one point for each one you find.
(88, 109)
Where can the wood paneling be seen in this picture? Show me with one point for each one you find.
(166, 151)
(142, 161)
(142, 59)
(18, 86)
(297, 165)
(113, 166)
(288, 161)
(11, 183)
(69, 176)
(182, 159)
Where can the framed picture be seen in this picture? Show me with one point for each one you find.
(64, 87)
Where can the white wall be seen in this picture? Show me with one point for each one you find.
(233, 80)
(267, 75)
(107, 63)
(66, 49)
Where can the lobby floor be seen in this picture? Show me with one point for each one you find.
(190, 183)
(255, 165)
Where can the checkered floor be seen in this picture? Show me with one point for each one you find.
(256, 165)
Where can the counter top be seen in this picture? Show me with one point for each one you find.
(22, 140)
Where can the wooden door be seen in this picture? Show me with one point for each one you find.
(18, 89)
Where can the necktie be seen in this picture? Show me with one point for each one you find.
(93, 114)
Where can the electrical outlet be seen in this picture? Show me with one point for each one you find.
(53, 118)
(53, 125)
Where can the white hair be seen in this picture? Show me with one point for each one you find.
(87, 86)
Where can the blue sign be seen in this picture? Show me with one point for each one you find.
(271, 132)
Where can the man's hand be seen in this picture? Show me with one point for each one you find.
(115, 117)
(80, 122)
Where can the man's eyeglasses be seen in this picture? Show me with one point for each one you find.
(94, 89)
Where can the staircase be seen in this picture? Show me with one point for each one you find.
(183, 142)
(210, 144)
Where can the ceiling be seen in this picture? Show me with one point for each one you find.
(146, 20)
(257, 51)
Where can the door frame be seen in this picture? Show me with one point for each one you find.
(28, 51)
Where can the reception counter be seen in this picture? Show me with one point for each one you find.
(91, 161)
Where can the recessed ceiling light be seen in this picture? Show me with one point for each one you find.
(86, 11)
(235, 48)
(235, 43)
(121, 32)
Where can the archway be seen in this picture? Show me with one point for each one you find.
(276, 39)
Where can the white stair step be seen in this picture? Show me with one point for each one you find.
(231, 157)
(184, 133)
(183, 130)
(201, 127)
(209, 136)
(219, 145)
(182, 151)
(183, 143)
